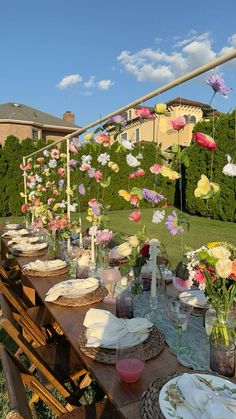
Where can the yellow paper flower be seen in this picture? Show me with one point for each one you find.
(113, 166)
(124, 194)
(88, 136)
(206, 189)
(160, 108)
(168, 172)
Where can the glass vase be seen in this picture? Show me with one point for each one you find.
(54, 249)
(222, 325)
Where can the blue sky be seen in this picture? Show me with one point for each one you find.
(92, 57)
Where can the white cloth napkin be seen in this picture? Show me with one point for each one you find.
(196, 298)
(84, 261)
(29, 247)
(12, 226)
(45, 265)
(104, 329)
(200, 401)
(72, 288)
(23, 240)
(14, 233)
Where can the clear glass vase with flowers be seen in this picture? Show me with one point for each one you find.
(59, 229)
(213, 269)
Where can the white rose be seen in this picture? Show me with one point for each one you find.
(133, 241)
(124, 249)
(224, 267)
(219, 252)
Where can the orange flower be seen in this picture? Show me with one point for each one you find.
(233, 273)
(25, 208)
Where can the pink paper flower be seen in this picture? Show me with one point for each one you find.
(84, 167)
(61, 171)
(73, 149)
(135, 216)
(144, 112)
(138, 173)
(26, 167)
(204, 141)
(55, 153)
(178, 123)
(103, 139)
(156, 168)
(98, 175)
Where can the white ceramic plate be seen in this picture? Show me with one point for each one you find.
(170, 410)
(195, 298)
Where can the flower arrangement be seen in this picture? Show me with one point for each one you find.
(213, 269)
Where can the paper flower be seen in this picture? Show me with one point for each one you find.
(103, 139)
(88, 136)
(158, 216)
(81, 189)
(178, 123)
(230, 168)
(152, 196)
(205, 141)
(132, 161)
(127, 144)
(166, 171)
(119, 120)
(206, 189)
(135, 216)
(113, 166)
(103, 158)
(217, 83)
(138, 173)
(160, 108)
(124, 194)
(144, 112)
(172, 224)
(55, 153)
(156, 168)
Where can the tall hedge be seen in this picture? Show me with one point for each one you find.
(224, 207)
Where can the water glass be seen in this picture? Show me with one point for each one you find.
(124, 306)
(129, 361)
(222, 358)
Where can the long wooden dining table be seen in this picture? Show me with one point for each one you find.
(125, 397)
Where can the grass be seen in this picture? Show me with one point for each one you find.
(201, 231)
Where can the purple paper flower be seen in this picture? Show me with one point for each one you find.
(152, 196)
(172, 224)
(81, 189)
(61, 183)
(103, 237)
(91, 172)
(97, 209)
(119, 119)
(73, 162)
(217, 83)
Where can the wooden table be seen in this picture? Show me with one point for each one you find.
(124, 396)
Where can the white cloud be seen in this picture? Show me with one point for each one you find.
(70, 80)
(104, 84)
(90, 82)
(155, 65)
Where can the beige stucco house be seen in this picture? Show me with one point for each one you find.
(159, 129)
(25, 122)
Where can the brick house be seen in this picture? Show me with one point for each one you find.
(25, 122)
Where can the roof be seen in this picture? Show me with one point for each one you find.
(188, 102)
(22, 113)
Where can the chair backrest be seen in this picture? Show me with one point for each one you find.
(10, 326)
(16, 374)
(21, 315)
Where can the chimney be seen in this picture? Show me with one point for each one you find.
(69, 117)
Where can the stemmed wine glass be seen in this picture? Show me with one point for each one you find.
(179, 313)
(129, 360)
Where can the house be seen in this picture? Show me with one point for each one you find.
(25, 122)
(158, 129)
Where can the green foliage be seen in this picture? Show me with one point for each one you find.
(211, 164)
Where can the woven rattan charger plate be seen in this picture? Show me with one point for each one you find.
(152, 346)
(149, 402)
(84, 300)
(54, 272)
(30, 254)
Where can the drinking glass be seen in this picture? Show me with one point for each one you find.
(222, 358)
(129, 361)
(179, 314)
(124, 306)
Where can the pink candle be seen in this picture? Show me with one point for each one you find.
(130, 369)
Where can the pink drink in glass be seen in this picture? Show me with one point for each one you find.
(130, 369)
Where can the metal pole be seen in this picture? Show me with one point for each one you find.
(197, 72)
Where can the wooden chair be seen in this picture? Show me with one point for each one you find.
(17, 376)
(56, 370)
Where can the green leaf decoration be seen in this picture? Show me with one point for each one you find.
(106, 183)
(137, 191)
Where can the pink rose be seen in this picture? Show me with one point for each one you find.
(178, 123)
(135, 216)
(204, 141)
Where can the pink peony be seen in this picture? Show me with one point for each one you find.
(178, 123)
(135, 216)
(144, 112)
(204, 141)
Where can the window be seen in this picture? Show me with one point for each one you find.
(129, 114)
(137, 137)
(36, 133)
(124, 136)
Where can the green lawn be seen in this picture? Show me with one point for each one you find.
(201, 230)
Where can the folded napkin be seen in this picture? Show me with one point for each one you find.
(29, 247)
(84, 261)
(14, 233)
(202, 402)
(104, 329)
(12, 226)
(23, 240)
(72, 288)
(196, 298)
(45, 265)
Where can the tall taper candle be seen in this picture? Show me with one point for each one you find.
(92, 246)
(80, 233)
(153, 256)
